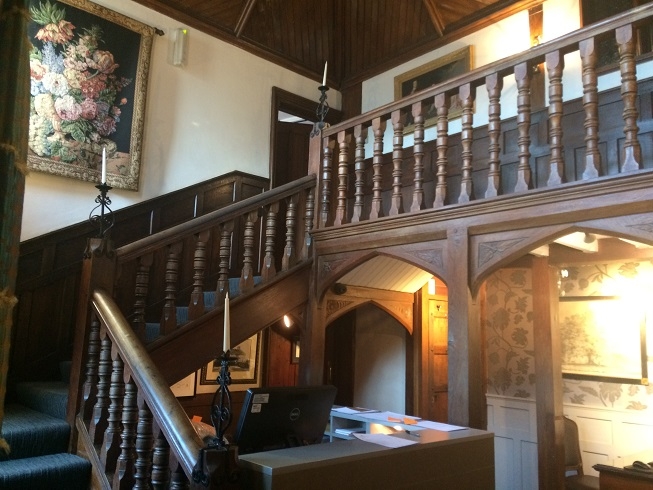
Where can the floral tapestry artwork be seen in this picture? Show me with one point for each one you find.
(88, 71)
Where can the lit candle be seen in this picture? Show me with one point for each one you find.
(104, 165)
(324, 77)
(226, 342)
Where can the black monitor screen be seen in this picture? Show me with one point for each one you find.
(279, 417)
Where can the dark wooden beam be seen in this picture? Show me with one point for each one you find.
(244, 16)
(436, 17)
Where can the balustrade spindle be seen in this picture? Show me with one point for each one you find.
(289, 254)
(523, 78)
(466, 95)
(124, 479)
(344, 140)
(269, 268)
(398, 121)
(226, 230)
(179, 480)
(591, 106)
(360, 134)
(494, 85)
(247, 276)
(89, 395)
(378, 126)
(144, 445)
(632, 151)
(160, 462)
(327, 161)
(309, 215)
(111, 445)
(442, 110)
(555, 64)
(196, 305)
(418, 155)
(169, 314)
(140, 294)
(101, 409)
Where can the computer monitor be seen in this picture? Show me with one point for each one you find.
(279, 417)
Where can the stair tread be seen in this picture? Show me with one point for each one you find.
(50, 397)
(33, 433)
(67, 470)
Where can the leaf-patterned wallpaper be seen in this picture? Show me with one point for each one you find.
(507, 317)
(508, 322)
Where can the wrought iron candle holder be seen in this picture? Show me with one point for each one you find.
(221, 406)
(321, 112)
(105, 220)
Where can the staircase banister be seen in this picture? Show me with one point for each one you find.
(566, 43)
(196, 225)
(166, 409)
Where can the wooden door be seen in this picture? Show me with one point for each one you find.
(340, 348)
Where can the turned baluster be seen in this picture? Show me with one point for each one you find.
(418, 155)
(632, 151)
(140, 294)
(523, 78)
(555, 64)
(591, 105)
(169, 314)
(269, 268)
(111, 444)
(288, 259)
(398, 121)
(89, 395)
(360, 133)
(494, 84)
(101, 409)
(344, 140)
(309, 214)
(325, 201)
(161, 462)
(178, 479)
(466, 95)
(124, 479)
(378, 127)
(247, 276)
(442, 110)
(196, 305)
(144, 444)
(226, 230)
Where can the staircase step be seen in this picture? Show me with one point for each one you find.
(31, 433)
(50, 397)
(52, 471)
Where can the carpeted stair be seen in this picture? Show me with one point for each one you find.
(37, 433)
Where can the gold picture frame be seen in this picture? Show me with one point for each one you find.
(433, 73)
(245, 370)
(88, 73)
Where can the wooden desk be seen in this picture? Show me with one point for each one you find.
(613, 478)
(462, 459)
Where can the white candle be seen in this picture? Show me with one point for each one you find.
(104, 165)
(226, 342)
(324, 77)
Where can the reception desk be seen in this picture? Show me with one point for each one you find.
(613, 478)
(462, 459)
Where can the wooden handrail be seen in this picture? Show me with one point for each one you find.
(152, 386)
(232, 211)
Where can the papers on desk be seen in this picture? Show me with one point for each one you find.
(354, 410)
(410, 420)
(385, 440)
(427, 424)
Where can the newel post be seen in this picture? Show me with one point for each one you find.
(98, 272)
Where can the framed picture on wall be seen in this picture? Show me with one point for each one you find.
(245, 370)
(603, 339)
(88, 80)
(433, 73)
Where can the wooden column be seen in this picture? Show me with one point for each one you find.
(548, 389)
(466, 395)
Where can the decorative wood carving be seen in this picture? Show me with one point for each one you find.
(442, 110)
(489, 250)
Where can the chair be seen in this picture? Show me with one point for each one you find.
(574, 477)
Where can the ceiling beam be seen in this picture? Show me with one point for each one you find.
(436, 16)
(244, 17)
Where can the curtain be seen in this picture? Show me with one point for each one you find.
(14, 124)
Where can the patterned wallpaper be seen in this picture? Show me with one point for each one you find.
(507, 317)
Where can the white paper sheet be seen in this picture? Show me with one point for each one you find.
(384, 440)
(427, 424)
